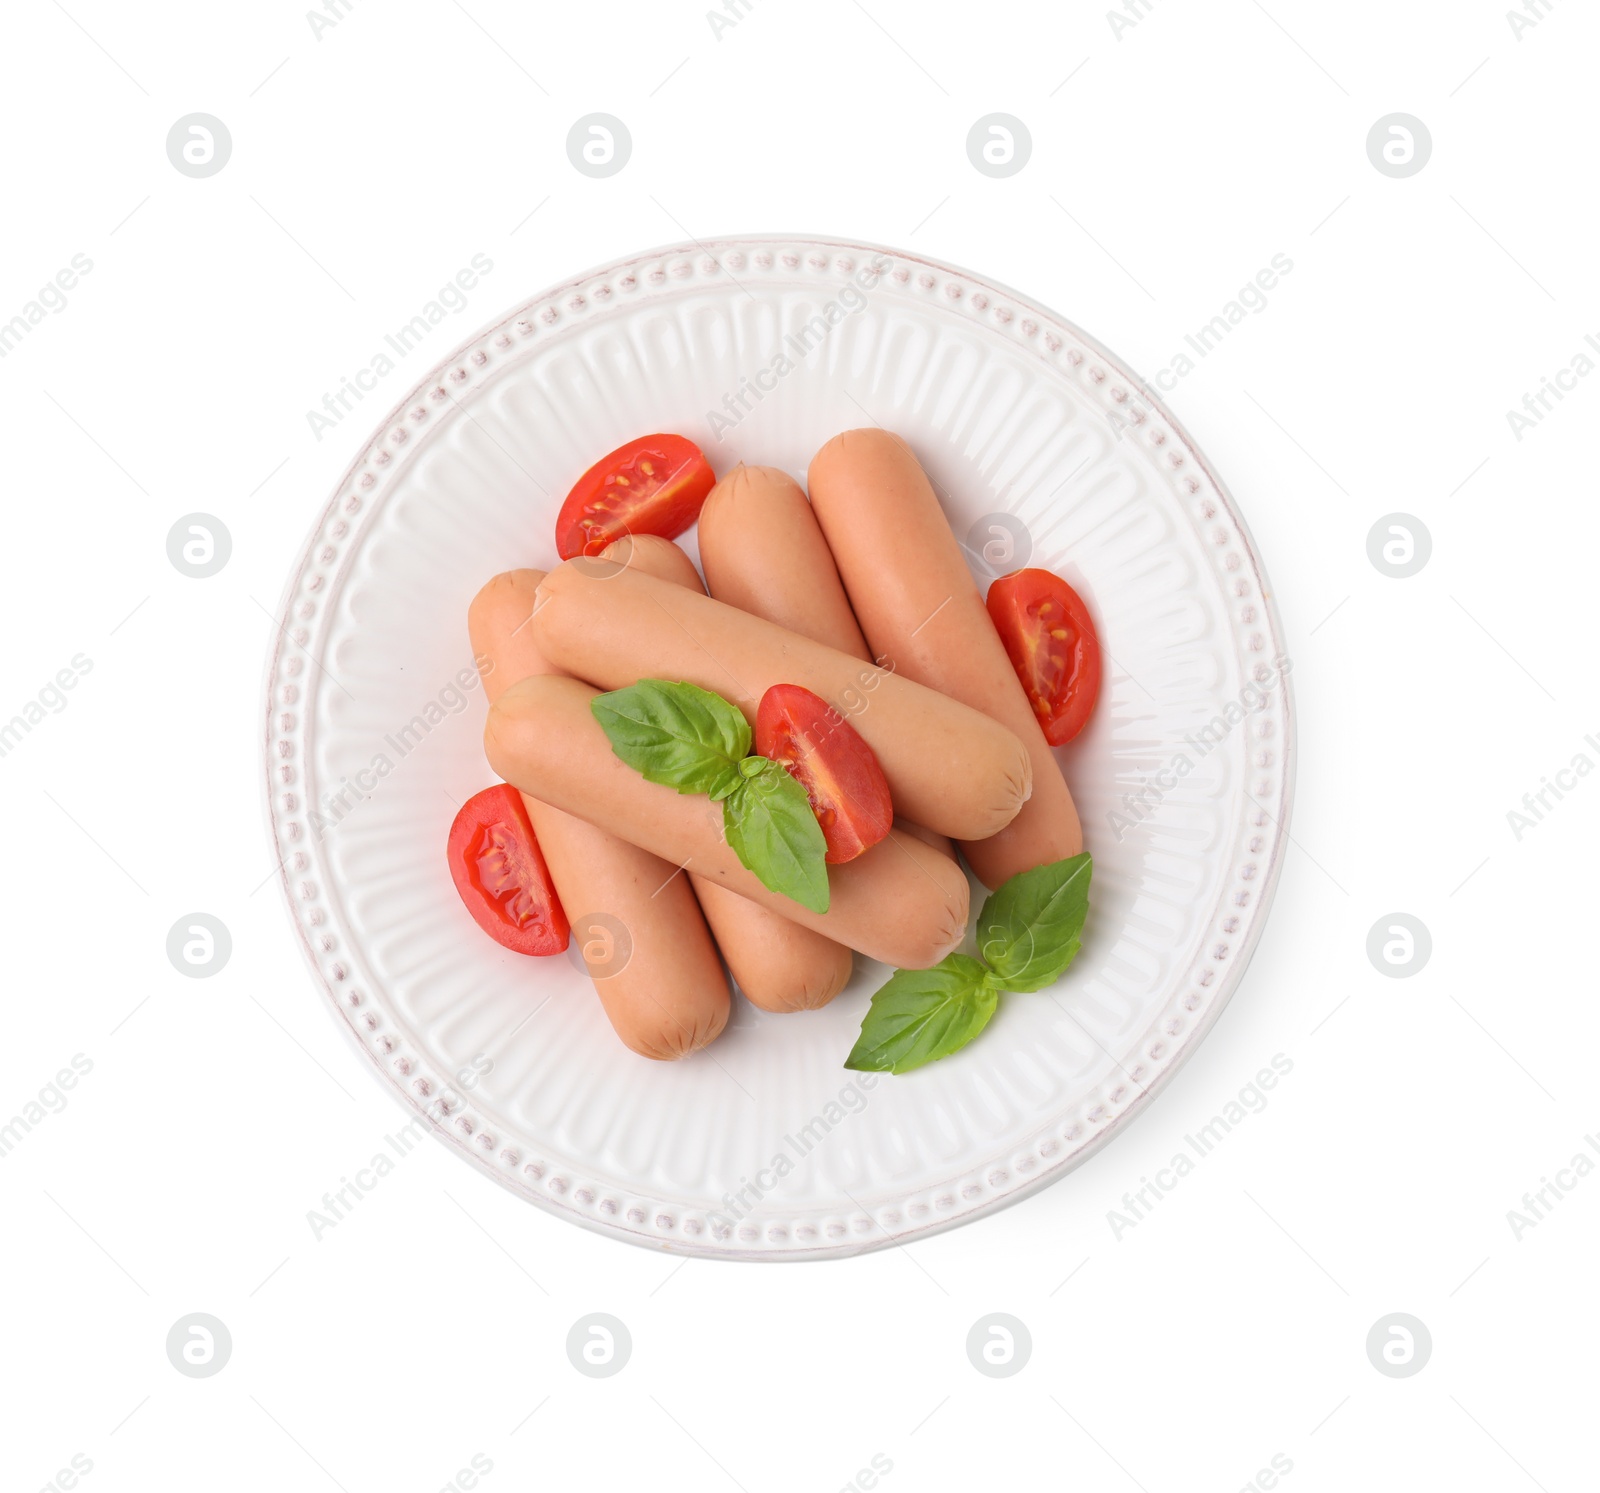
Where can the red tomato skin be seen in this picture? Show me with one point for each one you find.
(493, 836)
(673, 495)
(839, 771)
(1063, 684)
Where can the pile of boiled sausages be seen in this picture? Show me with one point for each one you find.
(859, 593)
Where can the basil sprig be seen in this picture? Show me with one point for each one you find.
(1028, 932)
(693, 740)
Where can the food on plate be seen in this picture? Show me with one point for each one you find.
(763, 553)
(948, 766)
(655, 967)
(1050, 636)
(797, 735)
(923, 616)
(500, 872)
(901, 902)
(825, 754)
(777, 964)
(654, 485)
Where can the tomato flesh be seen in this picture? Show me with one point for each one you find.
(1050, 637)
(839, 771)
(500, 872)
(654, 485)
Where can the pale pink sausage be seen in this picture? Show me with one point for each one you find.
(764, 553)
(901, 902)
(922, 613)
(948, 766)
(671, 997)
(779, 965)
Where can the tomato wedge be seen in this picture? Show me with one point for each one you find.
(654, 485)
(1050, 636)
(499, 870)
(839, 771)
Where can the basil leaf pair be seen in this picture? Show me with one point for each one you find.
(693, 740)
(1028, 932)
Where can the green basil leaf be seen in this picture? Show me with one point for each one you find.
(1030, 930)
(774, 832)
(923, 1014)
(677, 734)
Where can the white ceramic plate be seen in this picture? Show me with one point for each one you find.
(764, 1146)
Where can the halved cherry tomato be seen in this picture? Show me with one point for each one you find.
(654, 485)
(838, 770)
(1050, 636)
(498, 868)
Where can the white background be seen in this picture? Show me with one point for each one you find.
(369, 164)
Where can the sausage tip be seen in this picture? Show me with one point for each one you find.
(682, 1040)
